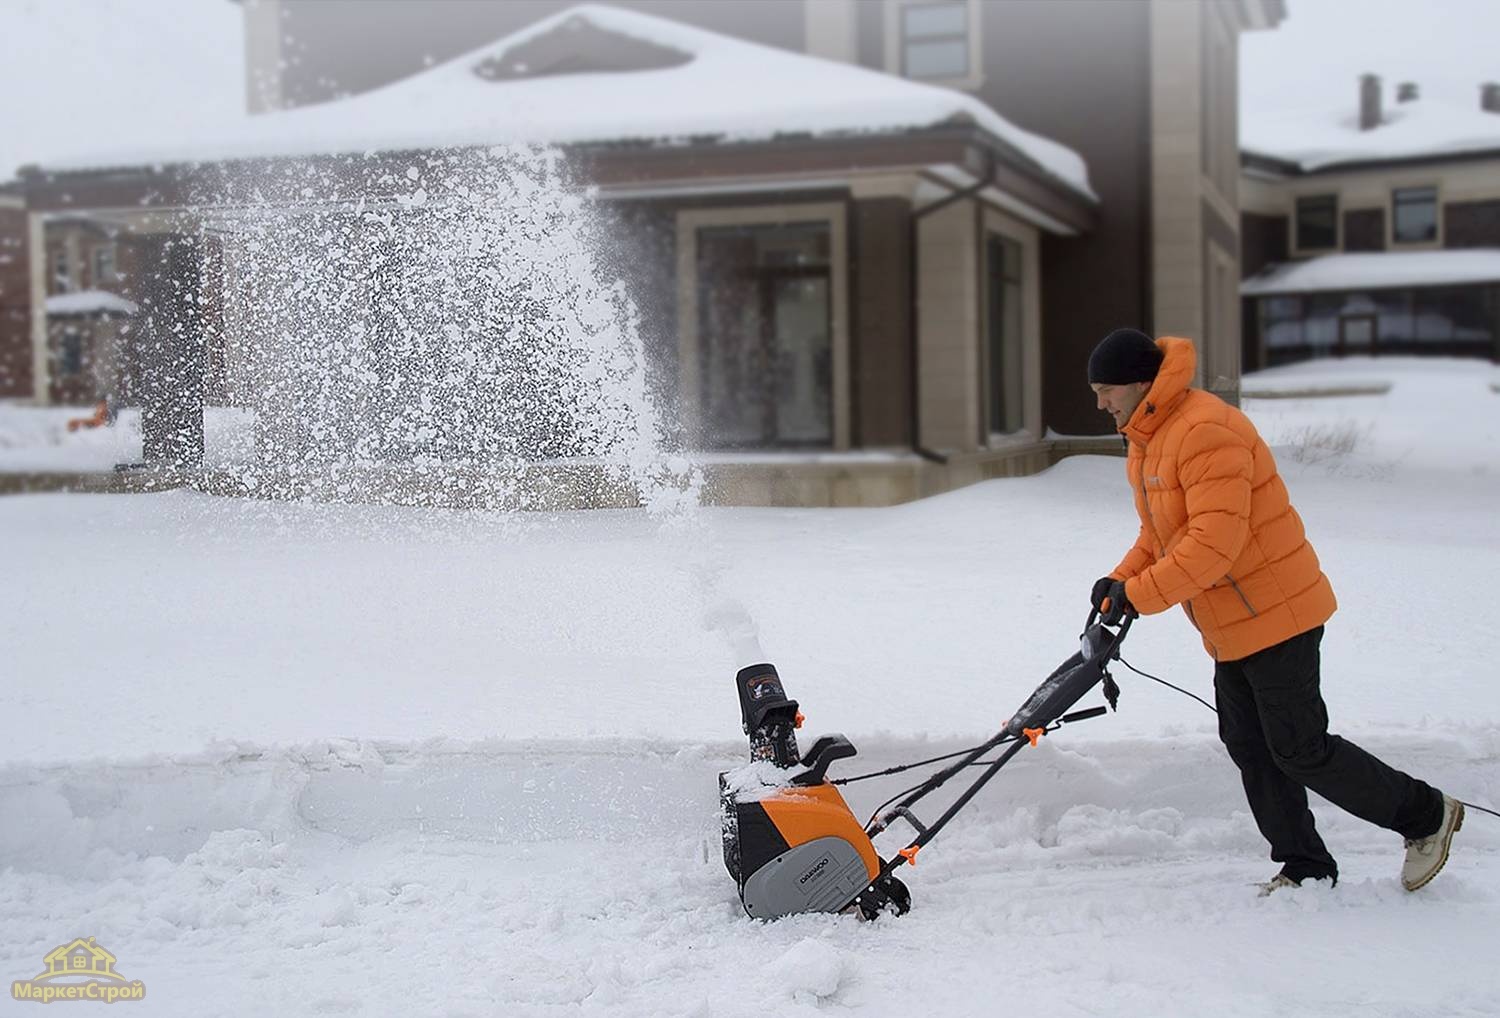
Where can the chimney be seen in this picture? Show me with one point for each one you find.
(1369, 101)
(1489, 97)
(1407, 91)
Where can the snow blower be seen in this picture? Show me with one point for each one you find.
(792, 844)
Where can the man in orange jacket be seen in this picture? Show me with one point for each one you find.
(1219, 536)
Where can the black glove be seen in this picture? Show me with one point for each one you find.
(1117, 604)
(1100, 592)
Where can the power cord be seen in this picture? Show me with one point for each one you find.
(1184, 692)
(1164, 682)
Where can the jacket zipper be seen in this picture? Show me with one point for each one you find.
(1161, 550)
(1248, 606)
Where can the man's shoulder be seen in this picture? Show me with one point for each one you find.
(1204, 408)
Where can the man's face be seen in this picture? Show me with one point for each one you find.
(1120, 401)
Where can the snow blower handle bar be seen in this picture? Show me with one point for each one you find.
(1044, 711)
(1119, 635)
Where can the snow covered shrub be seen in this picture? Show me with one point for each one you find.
(1318, 443)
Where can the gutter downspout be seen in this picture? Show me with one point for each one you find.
(915, 363)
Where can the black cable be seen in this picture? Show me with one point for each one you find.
(1164, 682)
(1153, 678)
(1482, 809)
(902, 767)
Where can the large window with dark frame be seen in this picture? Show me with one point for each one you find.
(1414, 212)
(104, 264)
(1003, 256)
(1450, 320)
(765, 333)
(935, 40)
(1317, 222)
(62, 271)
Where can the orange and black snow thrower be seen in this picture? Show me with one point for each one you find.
(792, 844)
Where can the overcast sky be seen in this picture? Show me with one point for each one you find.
(1315, 57)
(139, 72)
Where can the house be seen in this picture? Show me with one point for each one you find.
(80, 958)
(89, 270)
(16, 352)
(923, 212)
(1373, 228)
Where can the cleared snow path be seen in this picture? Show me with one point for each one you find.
(522, 820)
(548, 878)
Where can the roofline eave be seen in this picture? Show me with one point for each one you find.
(618, 164)
(1265, 162)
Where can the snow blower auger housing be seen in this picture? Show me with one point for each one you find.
(795, 846)
(792, 844)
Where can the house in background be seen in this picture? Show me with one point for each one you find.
(16, 353)
(88, 274)
(1373, 229)
(1145, 91)
(840, 251)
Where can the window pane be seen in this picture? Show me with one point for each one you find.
(1430, 318)
(766, 351)
(1005, 328)
(937, 59)
(1415, 214)
(1395, 316)
(1317, 222)
(924, 20)
(1282, 308)
(803, 361)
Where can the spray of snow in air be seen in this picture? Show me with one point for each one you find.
(436, 329)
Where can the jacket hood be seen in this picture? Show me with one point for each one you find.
(1179, 362)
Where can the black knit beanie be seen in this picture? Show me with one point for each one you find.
(1124, 356)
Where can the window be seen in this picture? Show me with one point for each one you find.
(1414, 215)
(104, 264)
(935, 40)
(1317, 222)
(1004, 271)
(62, 275)
(70, 359)
(765, 334)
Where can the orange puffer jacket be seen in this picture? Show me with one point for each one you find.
(1218, 533)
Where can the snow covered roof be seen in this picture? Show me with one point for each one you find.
(89, 302)
(702, 85)
(1377, 270)
(1320, 138)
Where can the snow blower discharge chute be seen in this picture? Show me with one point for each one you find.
(792, 844)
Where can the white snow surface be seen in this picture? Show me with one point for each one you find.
(88, 302)
(311, 759)
(1363, 271)
(731, 89)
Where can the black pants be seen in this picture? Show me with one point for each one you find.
(1275, 726)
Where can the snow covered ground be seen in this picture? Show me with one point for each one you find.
(309, 759)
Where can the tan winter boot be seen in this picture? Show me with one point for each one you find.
(1276, 883)
(1425, 856)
